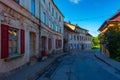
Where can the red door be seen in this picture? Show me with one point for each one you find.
(43, 46)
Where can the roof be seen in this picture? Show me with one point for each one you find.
(88, 34)
(73, 26)
(112, 19)
(81, 28)
(69, 27)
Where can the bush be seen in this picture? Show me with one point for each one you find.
(117, 58)
(95, 47)
(95, 43)
(111, 39)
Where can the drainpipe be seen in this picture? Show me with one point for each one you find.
(40, 33)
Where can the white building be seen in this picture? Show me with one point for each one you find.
(76, 38)
(52, 27)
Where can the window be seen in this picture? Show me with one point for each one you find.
(49, 6)
(50, 23)
(33, 7)
(77, 37)
(60, 30)
(71, 37)
(80, 38)
(74, 37)
(44, 1)
(13, 41)
(58, 43)
(59, 18)
(71, 46)
(52, 11)
(9, 42)
(74, 46)
(17, 1)
(44, 17)
(52, 26)
(56, 15)
(32, 42)
(57, 28)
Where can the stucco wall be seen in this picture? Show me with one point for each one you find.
(17, 20)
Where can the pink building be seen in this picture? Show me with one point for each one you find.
(19, 36)
(28, 29)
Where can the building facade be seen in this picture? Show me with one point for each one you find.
(52, 27)
(19, 31)
(76, 38)
(108, 23)
(28, 29)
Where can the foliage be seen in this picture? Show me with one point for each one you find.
(111, 39)
(95, 43)
(117, 58)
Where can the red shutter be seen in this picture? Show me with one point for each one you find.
(22, 41)
(43, 43)
(43, 46)
(4, 41)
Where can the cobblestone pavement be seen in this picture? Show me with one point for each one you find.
(81, 65)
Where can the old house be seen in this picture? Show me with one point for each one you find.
(52, 27)
(76, 38)
(28, 29)
(108, 23)
(19, 30)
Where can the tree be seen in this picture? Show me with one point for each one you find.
(95, 42)
(111, 39)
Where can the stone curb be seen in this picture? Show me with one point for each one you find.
(39, 71)
(42, 69)
(36, 70)
(107, 61)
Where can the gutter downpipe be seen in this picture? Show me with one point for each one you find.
(40, 33)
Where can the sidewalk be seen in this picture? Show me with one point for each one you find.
(112, 63)
(34, 70)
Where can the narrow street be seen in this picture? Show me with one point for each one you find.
(79, 66)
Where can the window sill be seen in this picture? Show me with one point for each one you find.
(12, 57)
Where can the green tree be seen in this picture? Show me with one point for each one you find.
(95, 42)
(111, 39)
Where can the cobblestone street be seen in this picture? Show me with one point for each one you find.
(79, 66)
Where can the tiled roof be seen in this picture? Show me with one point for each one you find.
(72, 27)
(67, 26)
(88, 34)
(114, 18)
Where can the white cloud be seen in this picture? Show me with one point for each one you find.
(75, 1)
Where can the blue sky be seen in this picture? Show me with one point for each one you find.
(88, 14)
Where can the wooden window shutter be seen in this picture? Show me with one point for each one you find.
(4, 41)
(22, 41)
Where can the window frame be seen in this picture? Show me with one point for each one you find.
(32, 6)
(11, 38)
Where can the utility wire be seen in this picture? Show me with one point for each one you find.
(92, 18)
